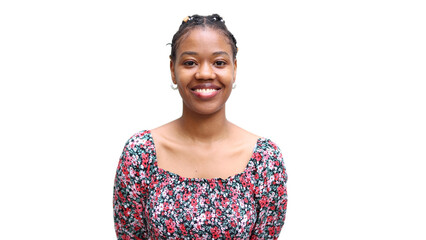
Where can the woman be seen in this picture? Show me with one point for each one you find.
(200, 176)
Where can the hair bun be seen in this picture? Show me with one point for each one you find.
(216, 18)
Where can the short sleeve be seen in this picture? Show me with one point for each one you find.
(272, 195)
(129, 188)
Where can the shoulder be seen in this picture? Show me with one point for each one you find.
(268, 145)
(268, 155)
(269, 165)
(141, 140)
(139, 137)
(139, 149)
(268, 148)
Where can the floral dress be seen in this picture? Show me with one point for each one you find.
(152, 203)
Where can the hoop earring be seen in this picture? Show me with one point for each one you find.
(174, 86)
(234, 85)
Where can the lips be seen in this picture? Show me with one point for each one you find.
(206, 86)
(205, 90)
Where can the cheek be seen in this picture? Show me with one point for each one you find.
(183, 77)
(229, 76)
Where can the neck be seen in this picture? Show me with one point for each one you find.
(204, 128)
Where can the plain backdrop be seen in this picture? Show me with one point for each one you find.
(338, 85)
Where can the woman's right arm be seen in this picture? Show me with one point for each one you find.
(128, 199)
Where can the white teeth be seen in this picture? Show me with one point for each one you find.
(205, 90)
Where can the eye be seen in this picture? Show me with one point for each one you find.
(189, 63)
(220, 63)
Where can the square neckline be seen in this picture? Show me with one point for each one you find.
(161, 171)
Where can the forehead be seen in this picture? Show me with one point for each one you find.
(204, 40)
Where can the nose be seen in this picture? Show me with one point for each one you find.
(205, 72)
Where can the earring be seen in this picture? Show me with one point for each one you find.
(174, 86)
(234, 85)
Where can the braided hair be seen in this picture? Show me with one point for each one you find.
(213, 21)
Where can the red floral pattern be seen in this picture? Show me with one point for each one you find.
(152, 203)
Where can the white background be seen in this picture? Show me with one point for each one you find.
(338, 85)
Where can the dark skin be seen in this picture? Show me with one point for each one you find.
(202, 143)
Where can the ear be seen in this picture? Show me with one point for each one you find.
(235, 69)
(172, 70)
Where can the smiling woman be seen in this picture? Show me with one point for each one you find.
(204, 70)
(204, 178)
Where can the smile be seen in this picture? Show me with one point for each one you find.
(205, 93)
(203, 90)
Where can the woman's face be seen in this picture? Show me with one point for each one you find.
(204, 70)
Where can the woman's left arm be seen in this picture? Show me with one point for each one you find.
(272, 196)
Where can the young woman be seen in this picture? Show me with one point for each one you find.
(200, 176)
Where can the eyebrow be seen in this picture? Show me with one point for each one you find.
(188, 53)
(195, 53)
(221, 53)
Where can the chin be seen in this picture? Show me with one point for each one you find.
(206, 110)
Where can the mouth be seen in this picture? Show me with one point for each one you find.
(205, 91)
